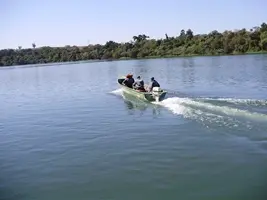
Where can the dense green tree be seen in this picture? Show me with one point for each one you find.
(185, 43)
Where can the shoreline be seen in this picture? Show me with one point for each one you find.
(193, 55)
(129, 59)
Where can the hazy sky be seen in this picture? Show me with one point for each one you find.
(77, 22)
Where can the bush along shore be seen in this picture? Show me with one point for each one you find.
(184, 44)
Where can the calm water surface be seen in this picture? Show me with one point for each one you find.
(69, 132)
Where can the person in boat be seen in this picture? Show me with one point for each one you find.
(128, 81)
(139, 84)
(152, 84)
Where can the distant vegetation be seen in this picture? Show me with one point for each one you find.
(186, 43)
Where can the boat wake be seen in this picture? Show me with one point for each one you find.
(224, 110)
(241, 117)
(214, 113)
(186, 106)
(117, 92)
(238, 115)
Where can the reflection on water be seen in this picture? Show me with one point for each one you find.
(134, 104)
(112, 71)
(188, 71)
(141, 69)
(130, 105)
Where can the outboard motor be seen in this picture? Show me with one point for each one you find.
(156, 93)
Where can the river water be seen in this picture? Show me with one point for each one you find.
(69, 132)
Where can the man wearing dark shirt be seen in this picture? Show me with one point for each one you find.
(128, 81)
(152, 84)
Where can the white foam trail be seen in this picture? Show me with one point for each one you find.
(256, 102)
(178, 106)
(187, 106)
(174, 105)
(117, 92)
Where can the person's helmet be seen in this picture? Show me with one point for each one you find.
(152, 78)
(138, 77)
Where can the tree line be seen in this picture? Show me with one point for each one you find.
(184, 44)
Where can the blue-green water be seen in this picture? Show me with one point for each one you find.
(68, 132)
